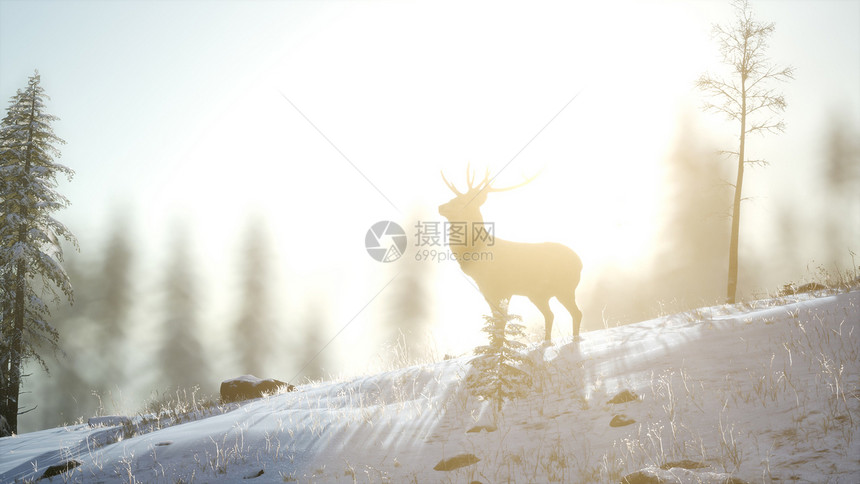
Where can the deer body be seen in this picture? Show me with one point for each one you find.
(501, 268)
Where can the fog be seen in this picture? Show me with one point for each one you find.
(231, 159)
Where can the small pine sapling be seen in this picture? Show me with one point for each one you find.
(498, 371)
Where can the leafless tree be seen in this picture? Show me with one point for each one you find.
(747, 98)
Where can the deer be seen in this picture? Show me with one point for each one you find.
(502, 269)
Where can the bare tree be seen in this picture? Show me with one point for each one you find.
(745, 97)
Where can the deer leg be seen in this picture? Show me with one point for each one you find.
(543, 306)
(569, 302)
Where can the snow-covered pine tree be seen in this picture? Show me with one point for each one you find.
(30, 251)
(498, 371)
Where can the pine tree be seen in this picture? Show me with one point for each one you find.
(182, 359)
(841, 183)
(497, 372)
(114, 304)
(30, 251)
(72, 378)
(694, 231)
(83, 380)
(253, 334)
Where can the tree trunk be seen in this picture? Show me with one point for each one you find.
(5, 311)
(736, 207)
(13, 389)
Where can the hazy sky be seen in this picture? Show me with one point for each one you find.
(326, 117)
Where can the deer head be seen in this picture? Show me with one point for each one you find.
(466, 206)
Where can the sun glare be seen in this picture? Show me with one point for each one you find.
(302, 154)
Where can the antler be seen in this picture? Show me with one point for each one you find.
(450, 185)
(525, 182)
(483, 185)
(470, 180)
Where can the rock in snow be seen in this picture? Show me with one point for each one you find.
(247, 387)
(59, 469)
(456, 462)
(624, 397)
(621, 420)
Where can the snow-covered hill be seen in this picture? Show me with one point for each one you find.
(765, 392)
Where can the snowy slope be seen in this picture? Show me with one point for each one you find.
(764, 392)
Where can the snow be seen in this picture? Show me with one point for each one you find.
(767, 391)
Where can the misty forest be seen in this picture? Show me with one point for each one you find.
(673, 295)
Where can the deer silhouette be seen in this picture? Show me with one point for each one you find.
(501, 268)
